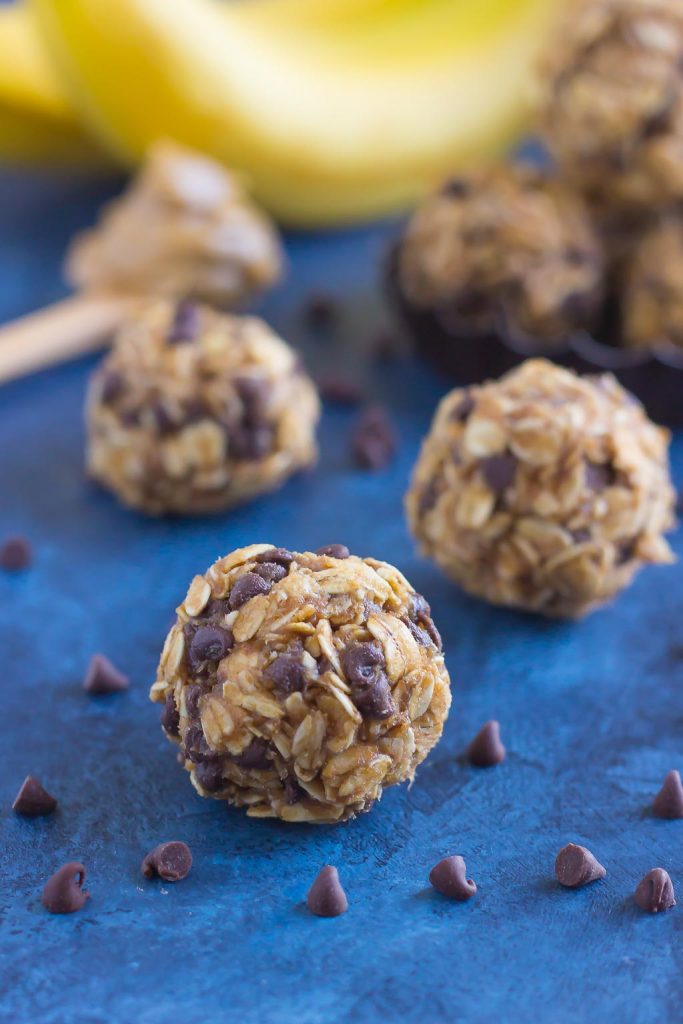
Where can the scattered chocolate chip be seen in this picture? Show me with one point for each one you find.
(209, 774)
(170, 861)
(669, 801)
(246, 587)
(281, 556)
(255, 755)
(32, 800)
(449, 877)
(293, 791)
(463, 409)
(486, 748)
(170, 719)
(63, 892)
(498, 472)
(286, 674)
(339, 390)
(320, 309)
(655, 892)
(111, 386)
(271, 572)
(186, 323)
(576, 866)
(207, 643)
(102, 677)
(373, 441)
(364, 666)
(334, 551)
(326, 898)
(598, 477)
(16, 554)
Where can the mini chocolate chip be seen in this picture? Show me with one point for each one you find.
(598, 477)
(186, 323)
(196, 748)
(418, 634)
(463, 408)
(576, 866)
(486, 749)
(320, 309)
(422, 614)
(102, 677)
(370, 690)
(339, 390)
(208, 643)
(655, 892)
(498, 472)
(449, 877)
(170, 719)
(293, 791)
(581, 536)
(209, 774)
(16, 554)
(279, 555)
(360, 661)
(63, 892)
(326, 898)
(255, 755)
(271, 572)
(246, 587)
(217, 608)
(111, 386)
(33, 800)
(286, 674)
(373, 441)
(669, 801)
(170, 861)
(192, 695)
(253, 392)
(250, 441)
(334, 551)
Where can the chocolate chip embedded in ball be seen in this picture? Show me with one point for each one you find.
(326, 898)
(449, 877)
(334, 551)
(575, 866)
(64, 892)
(655, 892)
(247, 586)
(370, 690)
(286, 673)
(170, 861)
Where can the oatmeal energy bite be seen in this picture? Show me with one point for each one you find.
(543, 490)
(651, 294)
(192, 411)
(300, 685)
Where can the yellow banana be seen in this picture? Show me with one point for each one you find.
(37, 122)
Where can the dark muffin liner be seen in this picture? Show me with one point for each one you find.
(655, 376)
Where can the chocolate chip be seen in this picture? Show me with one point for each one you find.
(207, 643)
(463, 408)
(421, 613)
(286, 674)
(170, 719)
(449, 877)
(293, 791)
(111, 386)
(64, 893)
(254, 393)
(373, 441)
(581, 536)
(250, 441)
(217, 608)
(32, 800)
(271, 572)
(209, 774)
(246, 587)
(255, 755)
(279, 555)
(598, 476)
(196, 748)
(102, 677)
(576, 866)
(419, 635)
(192, 695)
(655, 892)
(334, 551)
(16, 554)
(498, 472)
(669, 801)
(339, 390)
(370, 690)
(486, 748)
(170, 861)
(186, 323)
(326, 898)
(320, 309)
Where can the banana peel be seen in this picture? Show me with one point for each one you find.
(38, 124)
(334, 112)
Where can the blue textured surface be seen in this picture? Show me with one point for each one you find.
(591, 714)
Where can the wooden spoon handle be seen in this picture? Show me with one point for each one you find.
(70, 328)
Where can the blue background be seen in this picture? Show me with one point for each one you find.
(591, 714)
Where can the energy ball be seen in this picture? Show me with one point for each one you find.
(612, 101)
(543, 490)
(652, 287)
(300, 685)
(506, 249)
(193, 411)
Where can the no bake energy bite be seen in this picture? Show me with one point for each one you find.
(193, 411)
(543, 491)
(299, 685)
